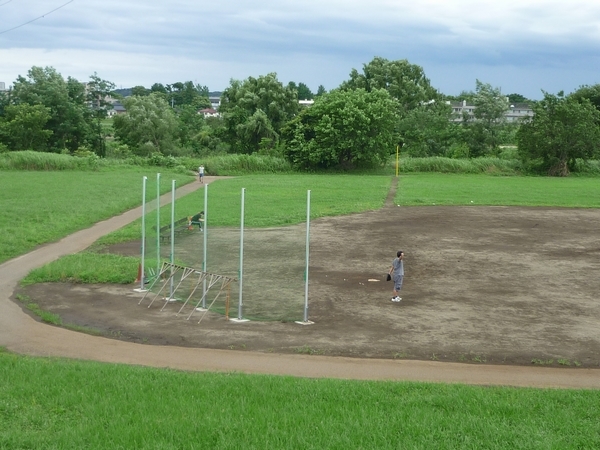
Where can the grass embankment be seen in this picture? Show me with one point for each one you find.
(60, 404)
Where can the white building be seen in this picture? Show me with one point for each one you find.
(2, 86)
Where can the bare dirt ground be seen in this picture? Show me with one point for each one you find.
(497, 295)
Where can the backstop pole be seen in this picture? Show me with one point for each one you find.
(307, 256)
(172, 258)
(157, 224)
(241, 270)
(205, 242)
(144, 180)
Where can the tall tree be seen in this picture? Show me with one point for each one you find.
(245, 126)
(490, 107)
(23, 127)
(591, 93)
(353, 128)
(148, 120)
(405, 82)
(98, 95)
(140, 91)
(562, 130)
(65, 100)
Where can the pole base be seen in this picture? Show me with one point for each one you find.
(301, 322)
(239, 320)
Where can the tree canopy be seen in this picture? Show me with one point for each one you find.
(149, 125)
(562, 130)
(255, 110)
(352, 128)
(404, 82)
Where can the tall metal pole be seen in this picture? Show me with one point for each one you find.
(144, 180)
(157, 224)
(397, 158)
(172, 259)
(307, 256)
(241, 269)
(205, 242)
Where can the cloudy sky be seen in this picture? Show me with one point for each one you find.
(520, 46)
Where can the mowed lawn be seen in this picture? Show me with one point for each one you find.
(48, 403)
(41, 207)
(62, 404)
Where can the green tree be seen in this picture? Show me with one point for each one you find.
(320, 91)
(591, 93)
(427, 130)
(352, 128)
(256, 109)
(484, 130)
(517, 98)
(98, 94)
(179, 94)
(304, 92)
(562, 130)
(65, 100)
(190, 124)
(23, 127)
(405, 82)
(149, 120)
(140, 91)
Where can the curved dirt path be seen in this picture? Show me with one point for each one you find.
(20, 333)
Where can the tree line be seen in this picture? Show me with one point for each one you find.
(386, 106)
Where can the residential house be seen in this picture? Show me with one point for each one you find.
(209, 112)
(117, 108)
(514, 113)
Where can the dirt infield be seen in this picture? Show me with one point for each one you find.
(483, 285)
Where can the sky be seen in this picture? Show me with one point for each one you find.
(519, 46)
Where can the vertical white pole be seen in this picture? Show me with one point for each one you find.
(144, 180)
(172, 259)
(241, 270)
(205, 242)
(157, 224)
(307, 256)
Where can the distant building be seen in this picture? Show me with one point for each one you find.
(117, 108)
(215, 102)
(518, 111)
(209, 112)
(514, 113)
(305, 102)
(2, 86)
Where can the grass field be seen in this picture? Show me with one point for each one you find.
(54, 403)
(457, 189)
(40, 207)
(60, 404)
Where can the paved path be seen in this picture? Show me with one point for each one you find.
(22, 334)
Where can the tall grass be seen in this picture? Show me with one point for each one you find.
(239, 164)
(30, 160)
(60, 404)
(488, 166)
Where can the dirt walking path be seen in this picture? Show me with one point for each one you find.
(22, 334)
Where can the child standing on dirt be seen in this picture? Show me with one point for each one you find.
(397, 274)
